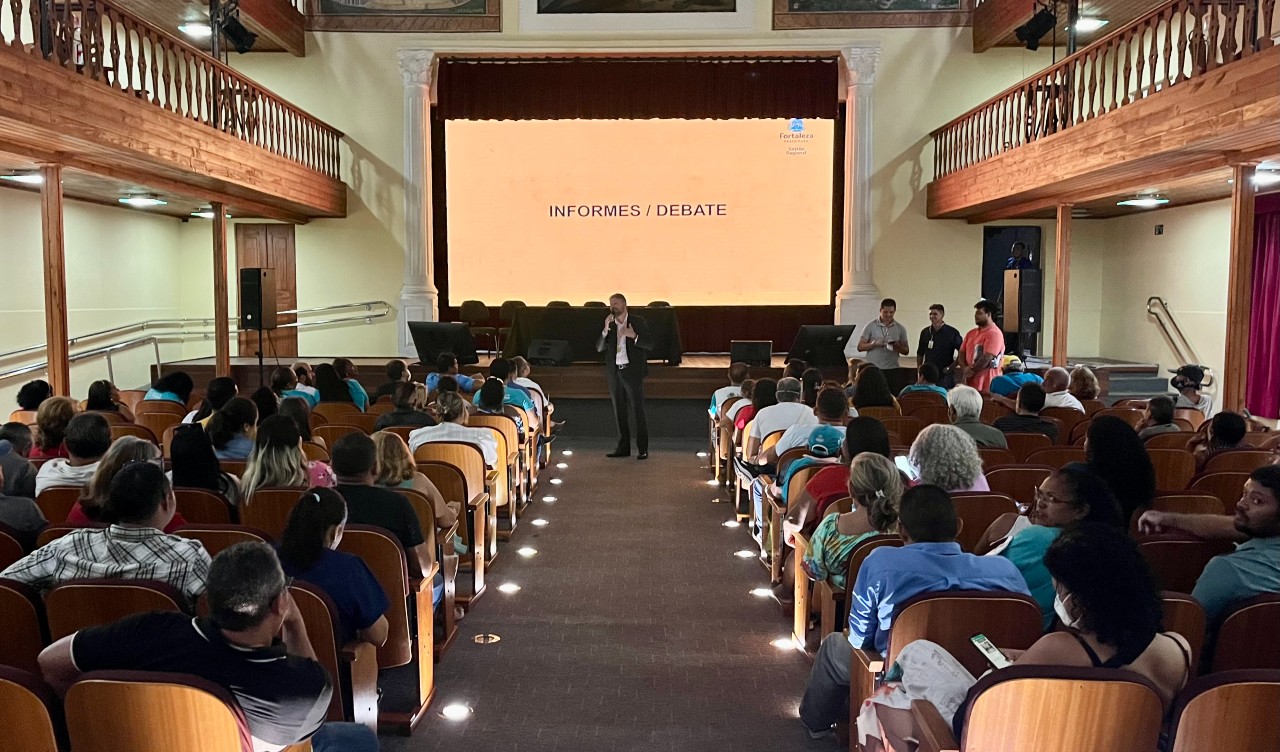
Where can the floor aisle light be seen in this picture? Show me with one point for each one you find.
(744, 554)
(456, 712)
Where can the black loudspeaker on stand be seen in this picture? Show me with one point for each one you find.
(1023, 306)
(550, 352)
(258, 307)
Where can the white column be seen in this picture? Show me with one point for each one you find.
(418, 301)
(858, 300)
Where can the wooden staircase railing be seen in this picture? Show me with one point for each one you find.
(104, 43)
(1174, 43)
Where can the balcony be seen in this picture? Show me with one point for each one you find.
(92, 87)
(1173, 97)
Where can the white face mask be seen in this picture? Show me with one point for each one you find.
(1060, 608)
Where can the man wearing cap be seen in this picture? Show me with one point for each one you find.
(1187, 382)
(789, 411)
(1012, 378)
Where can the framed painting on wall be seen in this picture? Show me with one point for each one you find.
(404, 15)
(864, 14)
(635, 15)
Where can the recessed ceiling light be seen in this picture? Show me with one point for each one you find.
(509, 587)
(1144, 202)
(456, 712)
(142, 201)
(26, 178)
(196, 30)
(527, 552)
(206, 213)
(1090, 23)
(744, 554)
(541, 522)
(1264, 178)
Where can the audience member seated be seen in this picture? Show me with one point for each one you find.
(737, 374)
(810, 382)
(831, 410)
(19, 473)
(764, 393)
(266, 401)
(88, 437)
(93, 506)
(105, 398)
(221, 390)
(1012, 377)
(862, 436)
(331, 387)
(945, 456)
(19, 512)
(397, 374)
(196, 465)
(396, 469)
(254, 644)
(231, 429)
(172, 387)
(1083, 385)
(929, 561)
(503, 370)
(1116, 454)
(284, 384)
(964, 403)
(447, 365)
(872, 390)
(876, 487)
(347, 371)
(52, 419)
(308, 552)
(927, 380)
(277, 461)
(1056, 383)
(1158, 418)
(453, 427)
(297, 410)
(1187, 382)
(855, 370)
(1254, 567)
(306, 382)
(789, 411)
(1070, 496)
(134, 546)
(794, 368)
(410, 401)
(523, 369)
(728, 416)
(1225, 433)
(355, 460)
(33, 394)
(488, 400)
(1027, 417)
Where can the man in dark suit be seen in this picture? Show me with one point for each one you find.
(626, 343)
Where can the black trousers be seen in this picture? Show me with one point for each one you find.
(626, 385)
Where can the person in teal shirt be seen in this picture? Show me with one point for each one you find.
(1008, 384)
(504, 370)
(347, 372)
(927, 378)
(172, 387)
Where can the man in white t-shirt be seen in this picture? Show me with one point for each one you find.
(1188, 380)
(788, 412)
(88, 438)
(737, 374)
(1056, 381)
(832, 409)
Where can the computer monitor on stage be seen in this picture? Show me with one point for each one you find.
(431, 338)
(822, 346)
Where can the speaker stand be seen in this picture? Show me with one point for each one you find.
(262, 369)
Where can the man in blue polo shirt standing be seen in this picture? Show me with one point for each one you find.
(929, 561)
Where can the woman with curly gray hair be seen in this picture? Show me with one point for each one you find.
(946, 456)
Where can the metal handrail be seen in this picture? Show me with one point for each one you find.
(156, 340)
(1182, 347)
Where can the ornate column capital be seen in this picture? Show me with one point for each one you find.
(416, 66)
(861, 63)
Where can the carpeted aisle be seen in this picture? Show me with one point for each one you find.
(634, 628)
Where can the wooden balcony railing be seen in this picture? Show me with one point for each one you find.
(1176, 42)
(104, 43)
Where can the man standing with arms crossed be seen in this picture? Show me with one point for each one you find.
(626, 343)
(982, 348)
(939, 344)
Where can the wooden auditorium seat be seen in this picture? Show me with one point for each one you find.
(158, 422)
(440, 543)
(1063, 437)
(217, 538)
(1067, 417)
(978, 511)
(910, 401)
(1191, 415)
(1228, 710)
(1174, 468)
(401, 431)
(452, 485)
(510, 484)
(268, 509)
(77, 604)
(1228, 487)
(130, 429)
(993, 457)
(1056, 457)
(742, 480)
(929, 414)
(233, 467)
(479, 481)
(24, 626)
(1246, 635)
(317, 419)
(949, 618)
(1050, 709)
(166, 441)
(833, 602)
(991, 411)
(200, 505)
(1237, 461)
(11, 549)
(1024, 444)
(1079, 432)
(314, 452)
(56, 502)
(409, 641)
(1259, 439)
(331, 432)
(166, 713)
(1018, 482)
(1092, 406)
(130, 398)
(381, 407)
(25, 417)
(719, 442)
(1184, 615)
(32, 712)
(1181, 503)
(352, 667)
(1170, 440)
(771, 538)
(1177, 560)
(1129, 415)
(879, 413)
(331, 411)
(149, 407)
(364, 421)
(906, 427)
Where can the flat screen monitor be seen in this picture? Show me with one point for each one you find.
(431, 338)
(753, 352)
(822, 346)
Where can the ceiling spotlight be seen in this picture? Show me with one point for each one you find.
(1090, 23)
(206, 213)
(732, 523)
(541, 522)
(1144, 202)
(744, 554)
(456, 712)
(762, 592)
(527, 552)
(1039, 25)
(196, 29)
(143, 201)
(26, 178)
(1266, 178)
(509, 587)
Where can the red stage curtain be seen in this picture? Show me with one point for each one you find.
(1263, 382)
(614, 88)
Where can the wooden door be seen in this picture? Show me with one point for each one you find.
(270, 246)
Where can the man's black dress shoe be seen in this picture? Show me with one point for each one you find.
(619, 453)
(642, 456)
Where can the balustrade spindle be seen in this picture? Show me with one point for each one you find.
(1267, 28)
(1211, 45)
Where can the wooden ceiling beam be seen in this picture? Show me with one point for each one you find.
(995, 20)
(279, 22)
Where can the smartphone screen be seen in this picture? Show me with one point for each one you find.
(906, 467)
(989, 651)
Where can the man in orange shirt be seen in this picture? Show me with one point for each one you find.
(983, 346)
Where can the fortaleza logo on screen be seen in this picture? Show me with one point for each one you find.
(795, 137)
